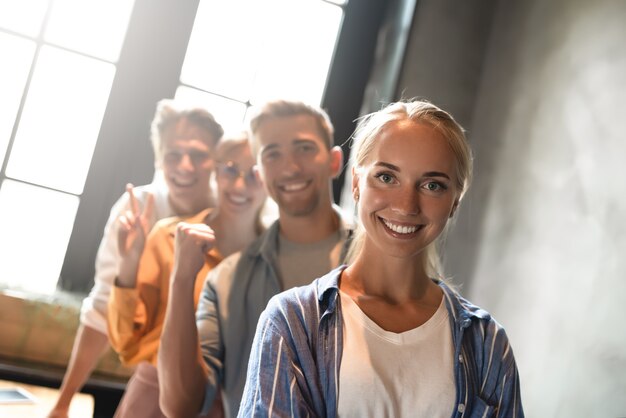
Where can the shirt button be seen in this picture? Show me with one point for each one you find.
(460, 359)
(461, 408)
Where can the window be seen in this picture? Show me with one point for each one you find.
(59, 72)
(81, 80)
(243, 52)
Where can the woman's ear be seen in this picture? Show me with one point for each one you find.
(355, 185)
(454, 208)
(336, 160)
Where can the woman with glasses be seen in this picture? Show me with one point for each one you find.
(139, 299)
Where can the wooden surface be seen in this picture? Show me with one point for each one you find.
(82, 404)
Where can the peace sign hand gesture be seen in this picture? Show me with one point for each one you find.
(134, 226)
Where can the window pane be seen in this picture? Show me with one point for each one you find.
(95, 27)
(261, 50)
(23, 16)
(60, 120)
(224, 47)
(299, 46)
(17, 56)
(228, 113)
(36, 225)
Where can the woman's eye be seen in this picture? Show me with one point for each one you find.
(434, 186)
(385, 178)
(231, 172)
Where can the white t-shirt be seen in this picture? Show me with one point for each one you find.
(388, 374)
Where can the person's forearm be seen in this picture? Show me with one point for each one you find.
(182, 377)
(127, 275)
(89, 346)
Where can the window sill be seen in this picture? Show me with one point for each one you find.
(38, 331)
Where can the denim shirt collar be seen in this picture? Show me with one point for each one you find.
(327, 290)
(460, 308)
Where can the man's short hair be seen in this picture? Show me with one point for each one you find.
(286, 108)
(170, 112)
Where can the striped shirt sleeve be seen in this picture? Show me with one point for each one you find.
(275, 384)
(500, 384)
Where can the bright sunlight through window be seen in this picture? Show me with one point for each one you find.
(59, 63)
(36, 225)
(61, 120)
(62, 52)
(253, 51)
(18, 53)
(99, 32)
(229, 113)
(23, 16)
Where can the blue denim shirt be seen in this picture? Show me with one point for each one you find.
(296, 356)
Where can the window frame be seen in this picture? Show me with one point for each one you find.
(123, 151)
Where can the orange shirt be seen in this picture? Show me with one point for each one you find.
(136, 316)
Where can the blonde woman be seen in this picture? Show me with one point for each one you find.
(385, 336)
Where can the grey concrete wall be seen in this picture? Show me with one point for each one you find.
(445, 54)
(541, 239)
(443, 58)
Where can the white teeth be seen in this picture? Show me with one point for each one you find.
(183, 183)
(399, 228)
(238, 199)
(294, 187)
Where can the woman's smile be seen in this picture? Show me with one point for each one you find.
(400, 229)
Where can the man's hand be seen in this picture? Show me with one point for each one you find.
(192, 245)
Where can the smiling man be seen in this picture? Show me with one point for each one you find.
(183, 139)
(296, 158)
(185, 156)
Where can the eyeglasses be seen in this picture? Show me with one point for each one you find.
(231, 171)
(195, 156)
